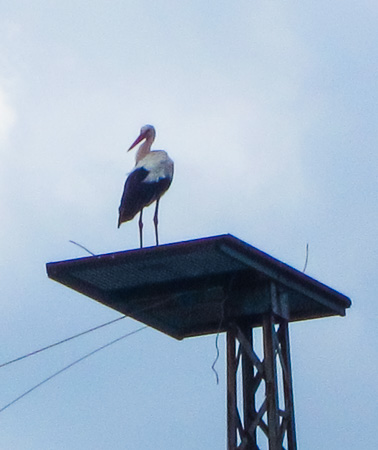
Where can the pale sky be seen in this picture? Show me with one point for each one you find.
(269, 110)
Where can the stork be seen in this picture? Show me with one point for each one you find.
(148, 181)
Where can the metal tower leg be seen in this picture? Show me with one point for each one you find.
(271, 382)
(232, 411)
(255, 418)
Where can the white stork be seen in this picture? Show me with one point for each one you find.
(149, 180)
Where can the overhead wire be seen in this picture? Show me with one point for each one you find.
(35, 352)
(150, 306)
(69, 366)
(61, 342)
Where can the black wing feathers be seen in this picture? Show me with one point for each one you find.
(138, 194)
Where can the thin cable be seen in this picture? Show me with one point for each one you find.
(306, 261)
(69, 366)
(227, 291)
(217, 339)
(80, 334)
(216, 358)
(82, 246)
(87, 355)
(61, 342)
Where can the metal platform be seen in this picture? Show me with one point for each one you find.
(199, 287)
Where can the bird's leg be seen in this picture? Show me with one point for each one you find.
(156, 221)
(141, 228)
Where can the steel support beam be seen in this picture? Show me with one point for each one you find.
(260, 407)
(231, 391)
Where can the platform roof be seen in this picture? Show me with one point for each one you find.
(200, 286)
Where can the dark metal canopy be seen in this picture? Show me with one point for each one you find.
(199, 287)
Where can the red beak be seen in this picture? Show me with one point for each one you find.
(137, 140)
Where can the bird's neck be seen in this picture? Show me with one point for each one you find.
(143, 150)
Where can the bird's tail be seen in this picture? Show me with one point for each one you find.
(127, 213)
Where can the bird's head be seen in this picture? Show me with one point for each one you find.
(146, 132)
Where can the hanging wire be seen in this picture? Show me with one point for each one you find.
(150, 306)
(82, 246)
(61, 342)
(80, 334)
(71, 365)
(227, 291)
(217, 339)
(306, 260)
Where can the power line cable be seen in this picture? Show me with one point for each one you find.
(70, 365)
(154, 305)
(61, 342)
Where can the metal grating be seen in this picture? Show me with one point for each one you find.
(198, 287)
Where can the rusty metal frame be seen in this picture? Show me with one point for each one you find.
(251, 419)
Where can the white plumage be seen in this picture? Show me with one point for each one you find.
(158, 164)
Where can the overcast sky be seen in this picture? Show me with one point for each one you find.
(269, 110)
